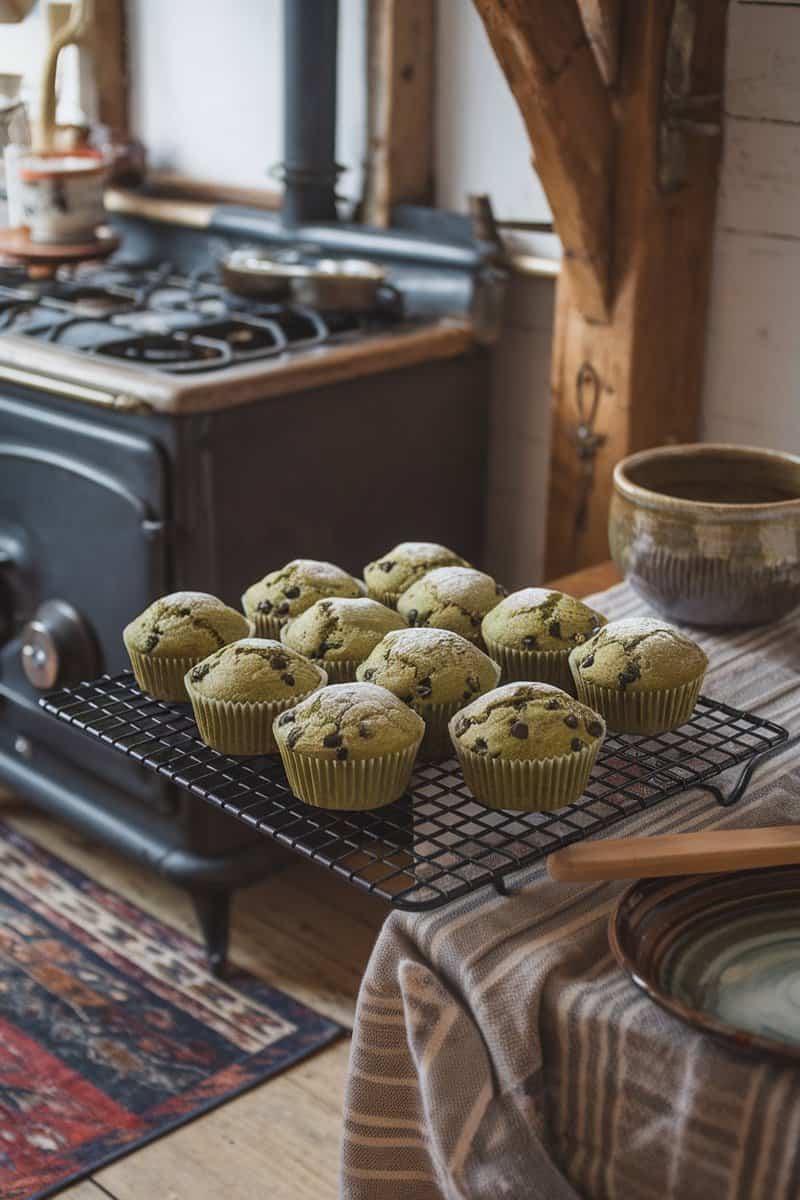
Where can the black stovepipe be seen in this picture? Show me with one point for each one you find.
(310, 35)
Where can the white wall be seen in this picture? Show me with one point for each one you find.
(207, 92)
(752, 383)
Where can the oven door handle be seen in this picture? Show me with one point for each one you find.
(72, 391)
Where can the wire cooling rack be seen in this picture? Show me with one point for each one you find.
(437, 842)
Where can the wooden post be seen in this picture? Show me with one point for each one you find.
(400, 106)
(633, 377)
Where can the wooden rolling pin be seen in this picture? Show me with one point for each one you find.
(713, 851)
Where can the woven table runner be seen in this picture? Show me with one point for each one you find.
(499, 1051)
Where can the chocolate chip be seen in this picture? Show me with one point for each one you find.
(475, 622)
(278, 663)
(571, 720)
(629, 675)
(387, 565)
(576, 744)
(479, 745)
(473, 683)
(294, 736)
(199, 672)
(587, 662)
(552, 704)
(151, 643)
(530, 642)
(594, 728)
(291, 593)
(264, 606)
(288, 679)
(467, 695)
(461, 727)
(282, 608)
(364, 730)
(369, 673)
(424, 687)
(332, 739)
(555, 629)
(286, 718)
(322, 650)
(341, 753)
(411, 616)
(519, 730)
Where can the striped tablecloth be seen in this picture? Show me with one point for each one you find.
(500, 1052)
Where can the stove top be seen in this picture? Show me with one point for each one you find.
(155, 317)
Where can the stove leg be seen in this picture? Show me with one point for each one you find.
(213, 909)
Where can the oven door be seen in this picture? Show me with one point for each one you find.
(83, 526)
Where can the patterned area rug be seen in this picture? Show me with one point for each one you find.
(112, 1032)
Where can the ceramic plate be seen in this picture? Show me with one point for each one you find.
(721, 952)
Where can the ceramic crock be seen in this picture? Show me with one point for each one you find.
(709, 534)
(62, 194)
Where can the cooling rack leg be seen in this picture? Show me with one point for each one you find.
(746, 774)
(213, 909)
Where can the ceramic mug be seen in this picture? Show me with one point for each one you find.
(62, 194)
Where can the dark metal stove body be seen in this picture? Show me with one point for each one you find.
(120, 481)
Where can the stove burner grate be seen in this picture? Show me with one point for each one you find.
(175, 351)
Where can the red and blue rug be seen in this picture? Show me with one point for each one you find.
(112, 1031)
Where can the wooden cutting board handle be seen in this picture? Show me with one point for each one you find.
(714, 850)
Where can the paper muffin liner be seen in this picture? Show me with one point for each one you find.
(535, 785)
(655, 710)
(242, 727)
(388, 598)
(436, 745)
(359, 784)
(533, 666)
(265, 625)
(162, 677)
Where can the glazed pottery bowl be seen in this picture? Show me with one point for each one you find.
(709, 534)
(721, 952)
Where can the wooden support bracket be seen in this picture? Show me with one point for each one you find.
(630, 171)
(548, 61)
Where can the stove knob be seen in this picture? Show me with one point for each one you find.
(58, 647)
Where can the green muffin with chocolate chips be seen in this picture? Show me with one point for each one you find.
(349, 746)
(527, 746)
(237, 692)
(340, 633)
(532, 632)
(435, 672)
(395, 571)
(286, 593)
(641, 674)
(455, 598)
(175, 632)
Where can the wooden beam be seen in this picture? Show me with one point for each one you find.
(400, 106)
(545, 54)
(644, 368)
(601, 20)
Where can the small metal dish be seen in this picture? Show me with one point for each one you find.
(340, 285)
(249, 273)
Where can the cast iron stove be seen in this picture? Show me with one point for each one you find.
(158, 432)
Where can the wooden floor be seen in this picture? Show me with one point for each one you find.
(305, 931)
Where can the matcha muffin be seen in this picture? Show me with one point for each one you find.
(173, 634)
(641, 674)
(349, 746)
(286, 593)
(527, 746)
(531, 633)
(340, 633)
(456, 598)
(435, 672)
(237, 692)
(393, 572)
